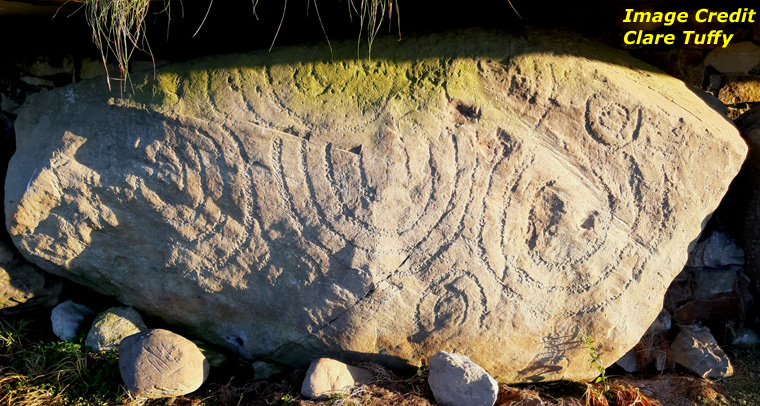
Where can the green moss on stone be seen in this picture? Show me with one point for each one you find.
(310, 85)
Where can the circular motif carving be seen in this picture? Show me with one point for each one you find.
(611, 123)
(209, 203)
(386, 200)
(453, 301)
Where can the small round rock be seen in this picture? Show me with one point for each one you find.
(158, 363)
(457, 381)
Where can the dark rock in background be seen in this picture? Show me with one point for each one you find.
(696, 349)
(24, 288)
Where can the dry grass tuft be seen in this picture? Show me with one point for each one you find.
(118, 29)
(619, 394)
(509, 396)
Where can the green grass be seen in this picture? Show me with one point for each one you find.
(743, 388)
(35, 372)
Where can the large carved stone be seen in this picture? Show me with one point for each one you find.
(487, 193)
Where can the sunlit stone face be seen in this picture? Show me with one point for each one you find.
(495, 200)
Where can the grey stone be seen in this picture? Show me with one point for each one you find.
(158, 363)
(709, 282)
(628, 361)
(112, 326)
(662, 323)
(653, 349)
(451, 194)
(739, 57)
(696, 349)
(660, 362)
(215, 358)
(744, 284)
(745, 337)
(327, 377)
(719, 249)
(457, 381)
(23, 286)
(44, 66)
(264, 370)
(714, 83)
(67, 319)
(680, 290)
(9, 104)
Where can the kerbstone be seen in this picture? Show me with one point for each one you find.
(471, 190)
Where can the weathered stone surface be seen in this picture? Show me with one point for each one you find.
(327, 377)
(23, 286)
(717, 250)
(740, 89)
(457, 381)
(708, 287)
(215, 358)
(709, 282)
(469, 191)
(158, 363)
(740, 57)
(695, 349)
(67, 319)
(628, 362)
(112, 326)
(719, 307)
(263, 370)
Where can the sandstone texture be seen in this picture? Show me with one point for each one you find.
(158, 363)
(488, 193)
(328, 377)
(457, 381)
